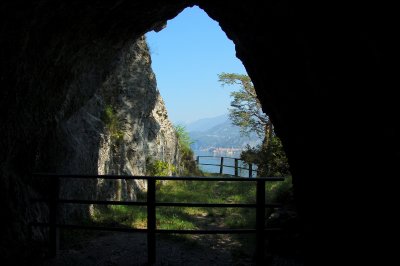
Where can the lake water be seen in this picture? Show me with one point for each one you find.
(216, 159)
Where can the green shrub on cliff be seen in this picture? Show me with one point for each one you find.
(183, 138)
(110, 119)
(187, 156)
(159, 168)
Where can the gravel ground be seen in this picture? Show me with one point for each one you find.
(120, 249)
(130, 249)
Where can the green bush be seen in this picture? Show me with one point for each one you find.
(271, 161)
(110, 119)
(187, 156)
(183, 139)
(280, 191)
(159, 168)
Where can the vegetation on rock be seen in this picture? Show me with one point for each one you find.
(188, 164)
(159, 168)
(110, 119)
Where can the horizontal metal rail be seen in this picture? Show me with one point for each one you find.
(98, 202)
(221, 165)
(158, 231)
(208, 156)
(96, 228)
(224, 165)
(177, 178)
(212, 205)
(159, 204)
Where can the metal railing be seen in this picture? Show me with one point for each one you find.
(55, 202)
(221, 165)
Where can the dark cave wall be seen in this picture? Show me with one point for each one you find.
(327, 86)
(54, 55)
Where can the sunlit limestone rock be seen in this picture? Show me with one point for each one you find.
(118, 131)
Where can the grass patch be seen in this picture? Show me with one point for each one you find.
(196, 218)
(121, 216)
(279, 192)
(187, 217)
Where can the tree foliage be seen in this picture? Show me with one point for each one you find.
(271, 161)
(246, 109)
(246, 112)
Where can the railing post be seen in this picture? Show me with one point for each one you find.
(260, 221)
(250, 170)
(53, 203)
(151, 221)
(197, 160)
(236, 167)
(221, 167)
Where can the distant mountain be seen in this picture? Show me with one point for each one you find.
(206, 123)
(223, 135)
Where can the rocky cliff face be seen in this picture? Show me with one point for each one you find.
(119, 130)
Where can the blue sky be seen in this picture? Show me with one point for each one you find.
(187, 57)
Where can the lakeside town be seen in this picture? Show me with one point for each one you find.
(221, 150)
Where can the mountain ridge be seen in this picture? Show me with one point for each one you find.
(222, 135)
(207, 123)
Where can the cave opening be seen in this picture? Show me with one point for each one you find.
(188, 56)
(123, 129)
(323, 85)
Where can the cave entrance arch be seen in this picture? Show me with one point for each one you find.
(116, 103)
(187, 55)
(306, 77)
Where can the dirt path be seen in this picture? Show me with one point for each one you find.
(130, 249)
(120, 249)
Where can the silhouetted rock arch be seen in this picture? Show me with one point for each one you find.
(326, 86)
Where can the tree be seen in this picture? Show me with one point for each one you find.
(246, 112)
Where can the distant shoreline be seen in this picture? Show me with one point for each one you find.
(221, 150)
(218, 152)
